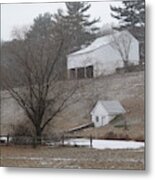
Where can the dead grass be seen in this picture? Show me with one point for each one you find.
(71, 157)
(127, 88)
(133, 132)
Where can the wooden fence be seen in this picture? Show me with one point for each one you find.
(29, 140)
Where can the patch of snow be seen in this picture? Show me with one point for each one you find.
(79, 142)
(38, 158)
(106, 144)
(113, 144)
(5, 139)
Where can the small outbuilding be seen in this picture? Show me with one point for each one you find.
(105, 111)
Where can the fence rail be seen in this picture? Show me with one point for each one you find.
(10, 139)
(29, 140)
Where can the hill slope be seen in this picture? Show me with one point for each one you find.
(127, 88)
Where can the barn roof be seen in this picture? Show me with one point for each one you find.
(113, 107)
(101, 41)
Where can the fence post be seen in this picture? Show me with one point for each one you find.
(125, 125)
(34, 141)
(7, 139)
(63, 139)
(91, 141)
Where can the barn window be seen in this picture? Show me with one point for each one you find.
(72, 74)
(89, 71)
(97, 119)
(80, 73)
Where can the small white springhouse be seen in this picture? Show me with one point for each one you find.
(105, 111)
(103, 56)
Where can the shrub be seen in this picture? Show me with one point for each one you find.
(110, 135)
(124, 137)
(22, 134)
(130, 68)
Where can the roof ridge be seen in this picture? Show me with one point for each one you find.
(87, 50)
(108, 102)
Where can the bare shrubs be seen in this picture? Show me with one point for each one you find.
(22, 134)
(114, 136)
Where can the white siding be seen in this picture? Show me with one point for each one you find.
(103, 120)
(105, 111)
(134, 52)
(104, 59)
(80, 60)
(107, 60)
(99, 112)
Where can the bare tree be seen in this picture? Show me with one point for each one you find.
(39, 91)
(122, 43)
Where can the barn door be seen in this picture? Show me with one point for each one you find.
(89, 71)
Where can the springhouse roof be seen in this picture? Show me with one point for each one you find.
(113, 107)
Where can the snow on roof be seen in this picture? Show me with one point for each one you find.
(113, 107)
(104, 40)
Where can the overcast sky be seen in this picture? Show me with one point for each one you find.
(18, 15)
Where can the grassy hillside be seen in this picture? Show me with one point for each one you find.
(127, 88)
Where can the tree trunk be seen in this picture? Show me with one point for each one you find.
(126, 65)
(37, 138)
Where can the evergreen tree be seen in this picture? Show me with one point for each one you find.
(80, 30)
(41, 28)
(131, 14)
(73, 28)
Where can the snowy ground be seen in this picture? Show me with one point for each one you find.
(100, 144)
(106, 144)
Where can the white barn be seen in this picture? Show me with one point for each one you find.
(102, 57)
(105, 111)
